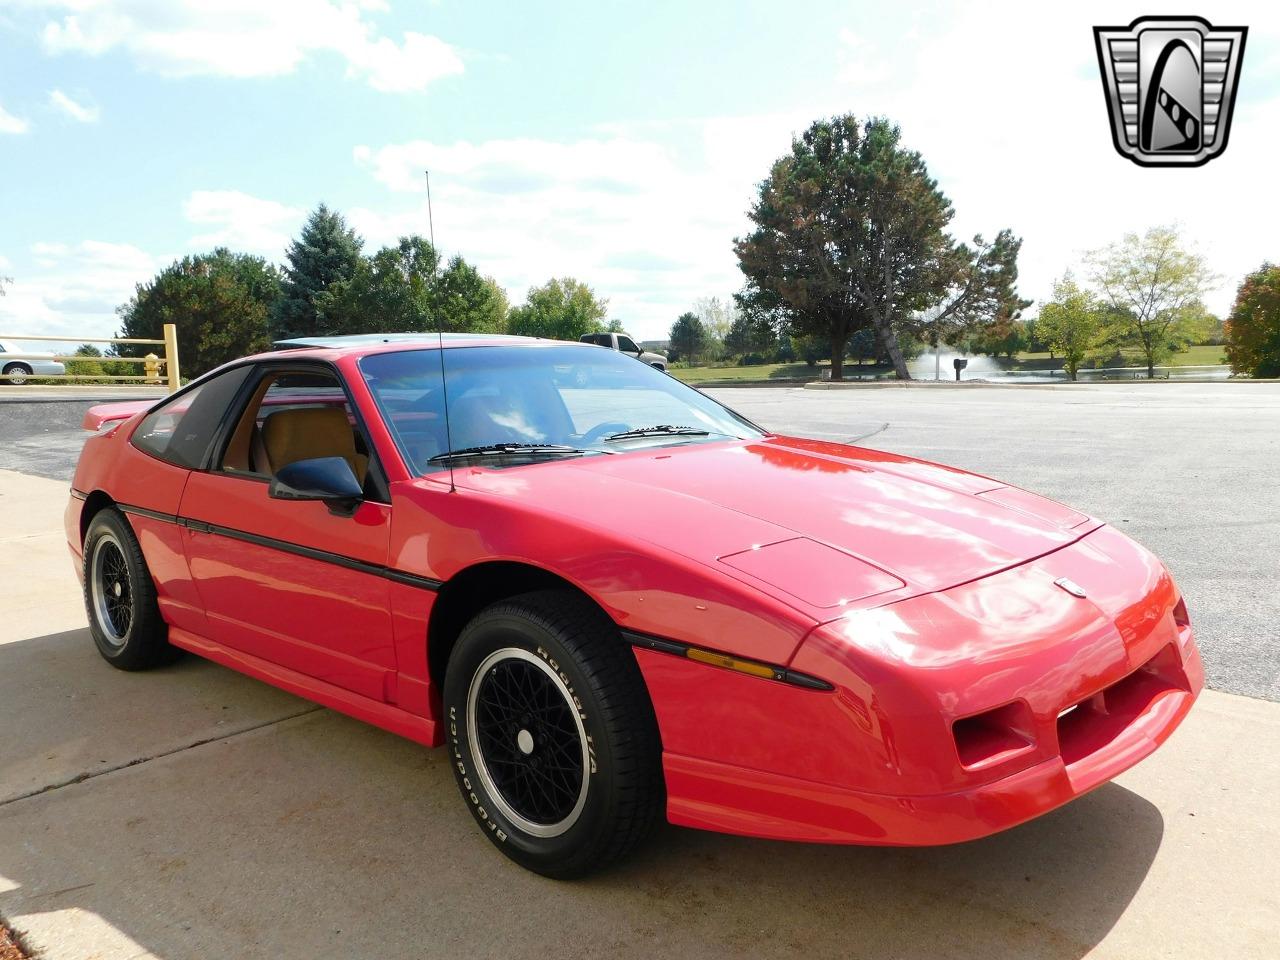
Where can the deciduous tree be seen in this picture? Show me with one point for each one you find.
(1155, 287)
(401, 289)
(561, 309)
(1252, 334)
(389, 292)
(220, 303)
(469, 302)
(1073, 323)
(717, 318)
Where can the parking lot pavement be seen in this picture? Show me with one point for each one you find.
(192, 812)
(40, 426)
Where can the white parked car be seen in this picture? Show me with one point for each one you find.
(17, 365)
(623, 343)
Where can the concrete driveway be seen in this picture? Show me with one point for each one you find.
(192, 812)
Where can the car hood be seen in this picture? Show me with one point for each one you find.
(826, 524)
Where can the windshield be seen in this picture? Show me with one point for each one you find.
(506, 402)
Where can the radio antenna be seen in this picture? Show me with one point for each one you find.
(444, 389)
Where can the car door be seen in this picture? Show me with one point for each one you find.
(291, 581)
(172, 440)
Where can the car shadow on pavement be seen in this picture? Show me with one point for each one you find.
(293, 832)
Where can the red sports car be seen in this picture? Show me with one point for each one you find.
(610, 597)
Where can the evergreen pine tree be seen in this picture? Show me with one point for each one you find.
(327, 252)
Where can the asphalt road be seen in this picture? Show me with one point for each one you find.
(1188, 469)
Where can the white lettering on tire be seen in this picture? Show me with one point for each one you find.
(480, 810)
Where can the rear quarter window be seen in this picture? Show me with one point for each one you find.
(181, 430)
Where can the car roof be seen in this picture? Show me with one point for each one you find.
(362, 344)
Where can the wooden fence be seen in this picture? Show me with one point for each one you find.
(157, 369)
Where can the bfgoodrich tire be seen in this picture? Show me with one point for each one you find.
(120, 597)
(551, 734)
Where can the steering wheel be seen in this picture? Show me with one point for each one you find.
(602, 430)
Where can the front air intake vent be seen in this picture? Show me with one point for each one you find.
(989, 738)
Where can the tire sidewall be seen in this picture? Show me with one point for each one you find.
(493, 631)
(108, 522)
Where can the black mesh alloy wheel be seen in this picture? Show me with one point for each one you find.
(551, 733)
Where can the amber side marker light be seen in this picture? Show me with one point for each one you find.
(733, 663)
(752, 668)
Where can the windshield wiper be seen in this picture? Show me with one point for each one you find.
(509, 450)
(661, 430)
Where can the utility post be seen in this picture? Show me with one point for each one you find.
(171, 356)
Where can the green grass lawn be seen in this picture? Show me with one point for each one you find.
(1196, 356)
(765, 371)
(769, 371)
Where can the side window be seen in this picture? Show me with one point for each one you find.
(182, 429)
(627, 345)
(295, 415)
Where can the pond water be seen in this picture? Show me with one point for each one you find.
(986, 368)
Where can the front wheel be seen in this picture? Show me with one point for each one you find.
(120, 597)
(551, 733)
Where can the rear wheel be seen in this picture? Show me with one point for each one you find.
(552, 735)
(120, 597)
(17, 373)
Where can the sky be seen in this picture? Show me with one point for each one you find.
(621, 144)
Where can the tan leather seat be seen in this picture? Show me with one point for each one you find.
(292, 435)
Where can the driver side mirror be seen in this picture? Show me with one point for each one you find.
(330, 479)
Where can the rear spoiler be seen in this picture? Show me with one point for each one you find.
(102, 413)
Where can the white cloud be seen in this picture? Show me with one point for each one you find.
(648, 231)
(75, 288)
(247, 38)
(76, 111)
(11, 124)
(241, 222)
(1003, 101)
(1017, 133)
(860, 65)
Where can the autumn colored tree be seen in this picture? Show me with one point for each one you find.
(1252, 332)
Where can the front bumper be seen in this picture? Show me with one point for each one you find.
(730, 799)
(954, 714)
